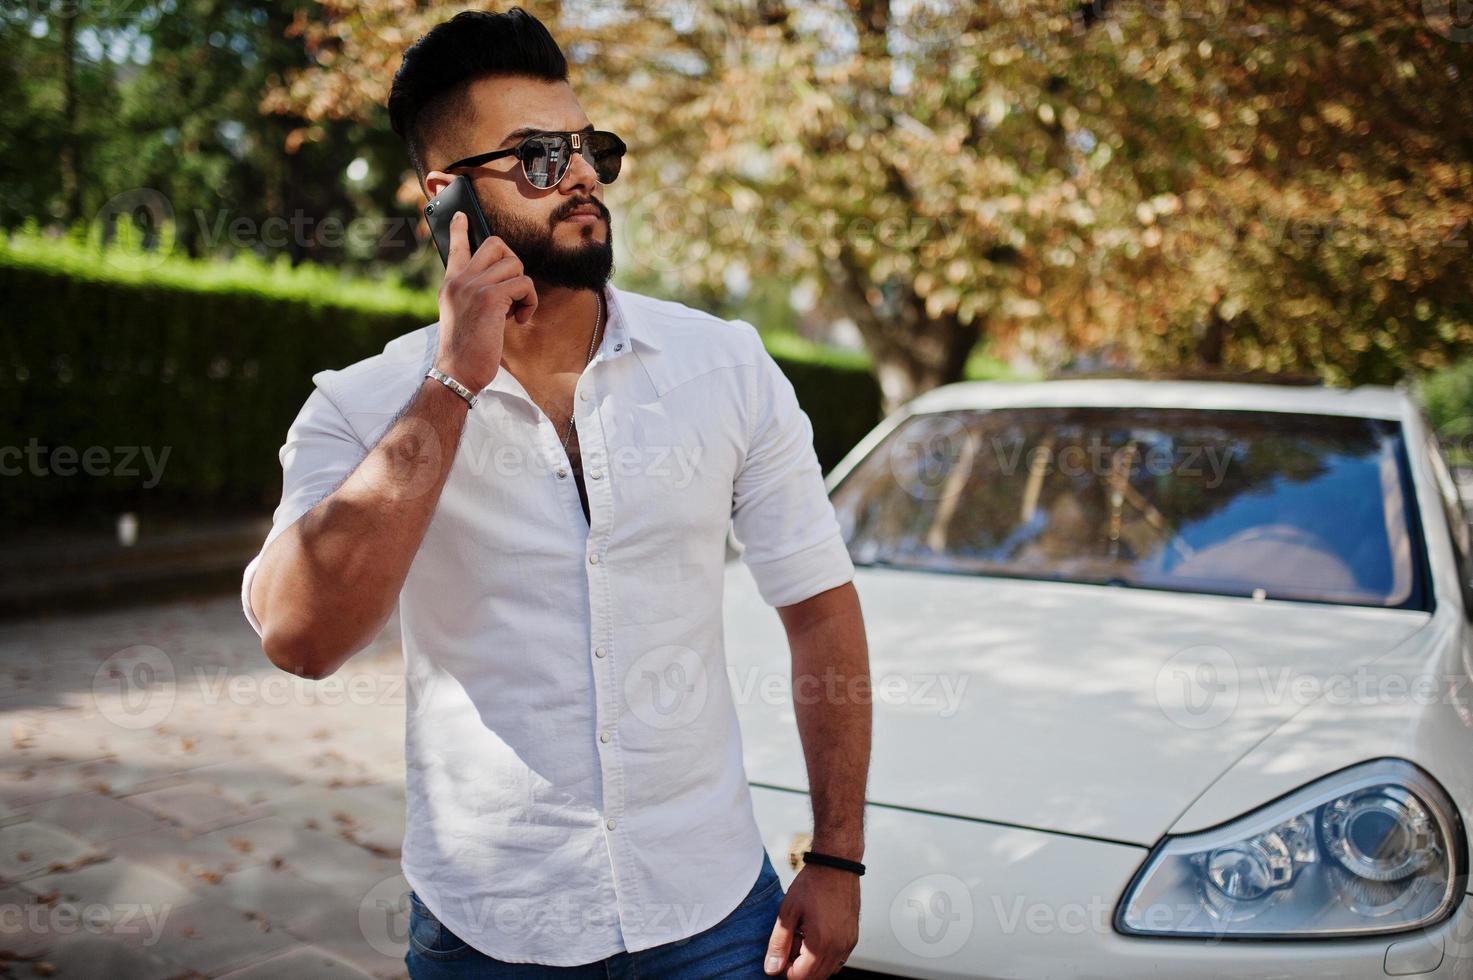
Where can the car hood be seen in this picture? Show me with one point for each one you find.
(1092, 710)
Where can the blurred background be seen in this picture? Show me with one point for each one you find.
(202, 204)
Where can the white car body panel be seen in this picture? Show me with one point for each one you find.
(952, 899)
(1058, 754)
(1046, 694)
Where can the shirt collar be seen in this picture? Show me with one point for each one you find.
(626, 325)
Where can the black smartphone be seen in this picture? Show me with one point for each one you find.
(458, 195)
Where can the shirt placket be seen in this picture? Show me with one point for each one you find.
(605, 653)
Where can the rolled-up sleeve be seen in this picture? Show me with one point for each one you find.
(781, 513)
(321, 449)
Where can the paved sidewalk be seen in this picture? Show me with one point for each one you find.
(171, 805)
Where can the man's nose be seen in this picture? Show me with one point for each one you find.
(580, 176)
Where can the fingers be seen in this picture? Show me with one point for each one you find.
(524, 298)
(818, 948)
(460, 259)
(780, 944)
(460, 249)
(809, 965)
(505, 278)
(493, 271)
(492, 262)
(492, 250)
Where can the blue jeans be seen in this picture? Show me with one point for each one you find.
(732, 949)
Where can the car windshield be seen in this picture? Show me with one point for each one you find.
(1265, 504)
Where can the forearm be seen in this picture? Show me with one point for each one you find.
(832, 700)
(325, 586)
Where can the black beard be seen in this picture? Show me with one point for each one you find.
(587, 265)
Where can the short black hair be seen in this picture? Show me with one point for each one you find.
(438, 68)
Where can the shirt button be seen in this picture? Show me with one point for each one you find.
(561, 472)
(604, 736)
(599, 652)
(595, 473)
(593, 559)
(611, 823)
(618, 347)
(583, 394)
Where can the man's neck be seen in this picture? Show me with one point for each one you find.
(557, 338)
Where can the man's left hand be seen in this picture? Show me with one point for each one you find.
(818, 922)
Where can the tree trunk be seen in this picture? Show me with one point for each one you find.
(912, 351)
(70, 166)
(1214, 338)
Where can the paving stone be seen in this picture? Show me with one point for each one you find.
(120, 891)
(43, 738)
(29, 848)
(334, 862)
(193, 859)
(23, 925)
(312, 854)
(276, 894)
(372, 931)
(23, 788)
(256, 842)
(323, 765)
(94, 817)
(29, 785)
(213, 938)
(85, 956)
(302, 963)
(372, 816)
(179, 746)
(252, 782)
(196, 806)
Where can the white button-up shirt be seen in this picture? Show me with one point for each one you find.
(574, 779)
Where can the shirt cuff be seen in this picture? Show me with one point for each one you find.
(803, 574)
(245, 594)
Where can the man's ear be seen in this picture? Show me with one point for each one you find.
(436, 181)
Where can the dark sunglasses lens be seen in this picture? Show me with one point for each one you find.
(608, 155)
(545, 158)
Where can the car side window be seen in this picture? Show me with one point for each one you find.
(1457, 517)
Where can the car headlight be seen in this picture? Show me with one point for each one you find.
(1377, 847)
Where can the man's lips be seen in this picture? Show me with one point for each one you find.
(584, 216)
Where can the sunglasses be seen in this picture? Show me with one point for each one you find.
(545, 156)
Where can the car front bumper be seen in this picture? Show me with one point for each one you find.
(945, 898)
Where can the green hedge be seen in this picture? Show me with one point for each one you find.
(212, 366)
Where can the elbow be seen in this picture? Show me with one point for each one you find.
(298, 653)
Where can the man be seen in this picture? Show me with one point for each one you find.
(543, 481)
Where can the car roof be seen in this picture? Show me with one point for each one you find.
(1363, 401)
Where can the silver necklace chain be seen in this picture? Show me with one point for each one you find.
(592, 342)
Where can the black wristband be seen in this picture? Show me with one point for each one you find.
(814, 857)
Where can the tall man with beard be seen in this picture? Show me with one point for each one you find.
(577, 804)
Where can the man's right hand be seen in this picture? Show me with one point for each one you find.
(477, 297)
